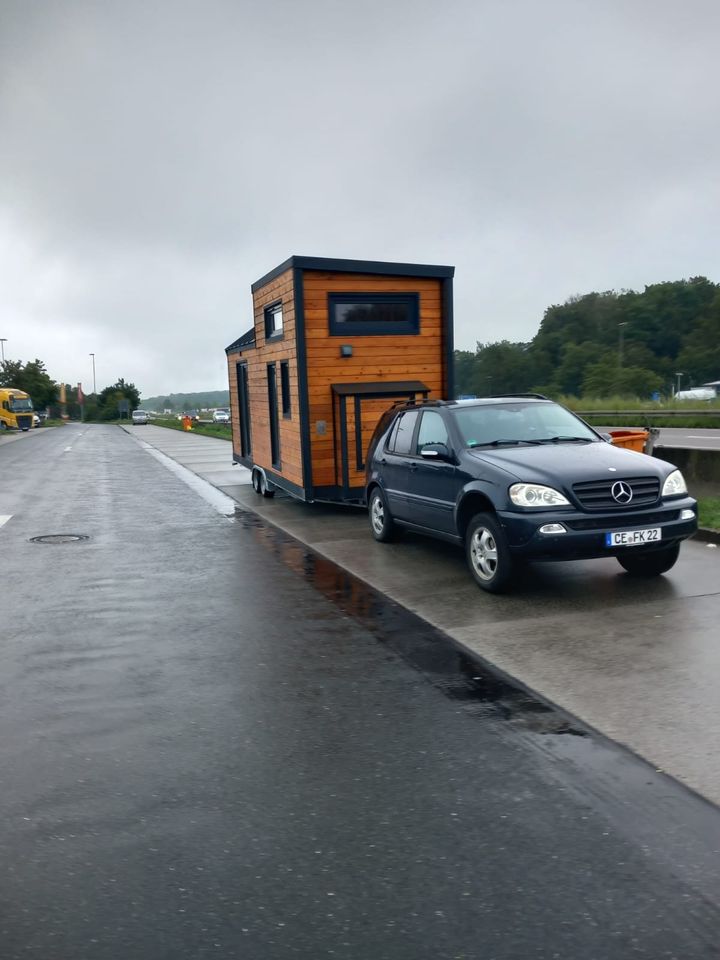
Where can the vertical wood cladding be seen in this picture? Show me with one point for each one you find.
(258, 358)
(375, 358)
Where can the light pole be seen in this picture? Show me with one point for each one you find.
(3, 341)
(621, 332)
(679, 376)
(94, 385)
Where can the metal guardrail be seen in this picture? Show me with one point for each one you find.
(644, 414)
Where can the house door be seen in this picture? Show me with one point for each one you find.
(244, 411)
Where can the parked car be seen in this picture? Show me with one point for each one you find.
(519, 478)
(221, 416)
(139, 416)
(37, 422)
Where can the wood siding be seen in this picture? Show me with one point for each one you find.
(258, 357)
(375, 359)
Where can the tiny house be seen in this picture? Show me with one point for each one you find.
(334, 343)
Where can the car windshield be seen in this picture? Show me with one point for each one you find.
(20, 404)
(518, 422)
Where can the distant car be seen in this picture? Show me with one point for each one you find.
(37, 422)
(521, 478)
(221, 416)
(139, 416)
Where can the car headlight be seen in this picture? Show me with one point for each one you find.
(674, 484)
(536, 495)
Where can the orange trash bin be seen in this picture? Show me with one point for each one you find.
(630, 439)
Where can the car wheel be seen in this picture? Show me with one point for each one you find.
(651, 563)
(488, 553)
(264, 487)
(381, 523)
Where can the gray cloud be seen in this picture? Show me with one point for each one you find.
(157, 158)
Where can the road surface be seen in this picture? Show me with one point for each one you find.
(216, 744)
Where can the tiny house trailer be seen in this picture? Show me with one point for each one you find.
(334, 343)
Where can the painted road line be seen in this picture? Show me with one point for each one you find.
(4, 518)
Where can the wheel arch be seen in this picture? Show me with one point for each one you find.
(474, 501)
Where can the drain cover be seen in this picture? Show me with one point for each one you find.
(59, 538)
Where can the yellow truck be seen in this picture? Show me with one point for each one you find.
(16, 409)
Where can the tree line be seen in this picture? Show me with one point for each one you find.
(630, 344)
(32, 378)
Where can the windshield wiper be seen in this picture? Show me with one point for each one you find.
(565, 440)
(499, 443)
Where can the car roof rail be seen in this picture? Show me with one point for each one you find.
(531, 396)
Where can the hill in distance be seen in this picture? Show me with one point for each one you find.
(178, 402)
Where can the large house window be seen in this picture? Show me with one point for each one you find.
(370, 314)
(273, 321)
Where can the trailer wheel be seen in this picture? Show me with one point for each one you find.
(265, 489)
(255, 478)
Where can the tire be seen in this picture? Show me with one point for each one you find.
(255, 478)
(488, 554)
(650, 563)
(381, 523)
(264, 487)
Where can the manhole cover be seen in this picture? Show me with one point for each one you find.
(59, 538)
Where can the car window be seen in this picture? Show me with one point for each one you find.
(402, 433)
(486, 423)
(432, 430)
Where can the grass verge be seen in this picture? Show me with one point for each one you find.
(709, 512)
(221, 430)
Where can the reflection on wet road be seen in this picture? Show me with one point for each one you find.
(216, 743)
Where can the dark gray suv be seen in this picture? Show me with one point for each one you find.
(522, 478)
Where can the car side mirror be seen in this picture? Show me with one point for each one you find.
(607, 437)
(436, 451)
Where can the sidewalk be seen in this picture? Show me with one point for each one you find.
(637, 660)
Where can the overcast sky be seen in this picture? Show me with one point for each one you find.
(158, 157)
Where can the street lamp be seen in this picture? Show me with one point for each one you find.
(621, 331)
(3, 341)
(94, 385)
(679, 376)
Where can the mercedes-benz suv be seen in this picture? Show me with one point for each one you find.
(519, 478)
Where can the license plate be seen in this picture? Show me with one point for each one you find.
(632, 538)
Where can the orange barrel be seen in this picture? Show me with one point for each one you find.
(630, 439)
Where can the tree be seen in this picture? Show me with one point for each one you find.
(109, 398)
(33, 378)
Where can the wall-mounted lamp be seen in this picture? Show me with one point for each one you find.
(345, 350)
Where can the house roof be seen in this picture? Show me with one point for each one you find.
(243, 342)
(356, 266)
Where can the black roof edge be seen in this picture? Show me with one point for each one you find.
(246, 340)
(356, 266)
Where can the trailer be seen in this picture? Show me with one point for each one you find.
(333, 344)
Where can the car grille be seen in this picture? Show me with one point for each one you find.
(618, 522)
(596, 494)
(24, 422)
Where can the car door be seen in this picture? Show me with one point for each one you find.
(434, 483)
(395, 463)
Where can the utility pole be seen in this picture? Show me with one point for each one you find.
(94, 384)
(621, 332)
(3, 341)
(679, 376)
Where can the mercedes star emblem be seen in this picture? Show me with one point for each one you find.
(621, 492)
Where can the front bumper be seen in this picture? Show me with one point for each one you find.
(584, 538)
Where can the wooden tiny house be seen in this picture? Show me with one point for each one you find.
(334, 343)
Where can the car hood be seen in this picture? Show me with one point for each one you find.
(561, 464)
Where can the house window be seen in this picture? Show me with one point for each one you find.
(273, 321)
(370, 314)
(285, 388)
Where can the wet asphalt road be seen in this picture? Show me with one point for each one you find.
(217, 745)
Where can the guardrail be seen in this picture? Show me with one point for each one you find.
(644, 414)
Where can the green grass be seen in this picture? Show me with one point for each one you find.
(221, 430)
(644, 412)
(709, 512)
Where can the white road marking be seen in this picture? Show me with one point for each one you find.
(67, 449)
(4, 519)
(216, 498)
